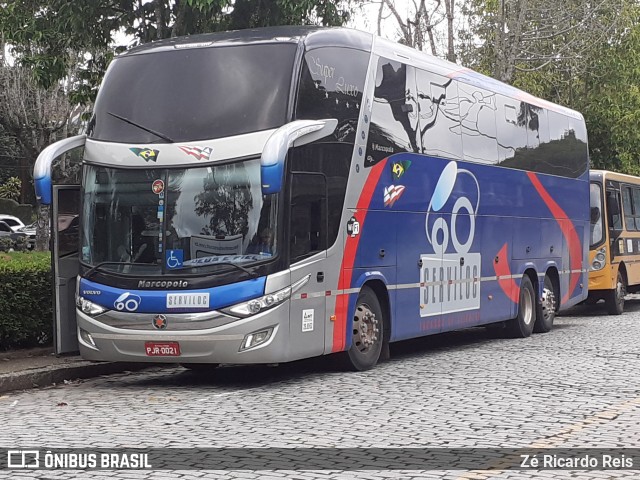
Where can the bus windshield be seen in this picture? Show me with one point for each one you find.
(157, 221)
(597, 220)
(194, 94)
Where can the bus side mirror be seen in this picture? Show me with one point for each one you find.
(42, 168)
(296, 133)
(595, 215)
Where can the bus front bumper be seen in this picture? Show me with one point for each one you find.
(224, 344)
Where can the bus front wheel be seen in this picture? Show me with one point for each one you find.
(368, 333)
(522, 325)
(614, 301)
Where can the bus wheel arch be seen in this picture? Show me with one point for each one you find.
(614, 298)
(548, 303)
(370, 328)
(522, 325)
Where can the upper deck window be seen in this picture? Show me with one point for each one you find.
(195, 94)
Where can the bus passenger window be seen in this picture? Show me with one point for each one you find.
(439, 115)
(629, 211)
(478, 122)
(394, 116)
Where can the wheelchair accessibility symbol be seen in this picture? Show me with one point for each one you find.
(174, 258)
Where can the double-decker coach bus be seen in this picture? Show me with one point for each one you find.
(269, 195)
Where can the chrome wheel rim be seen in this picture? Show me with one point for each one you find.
(527, 307)
(365, 328)
(548, 304)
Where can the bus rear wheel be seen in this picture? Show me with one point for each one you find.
(522, 325)
(614, 300)
(546, 308)
(368, 333)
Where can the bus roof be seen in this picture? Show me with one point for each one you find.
(315, 36)
(609, 175)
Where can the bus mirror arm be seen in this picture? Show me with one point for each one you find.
(44, 162)
(296, 133)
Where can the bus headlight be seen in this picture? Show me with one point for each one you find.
(89, 307)
(257, 305)
(599, 260)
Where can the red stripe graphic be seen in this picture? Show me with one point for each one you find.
(349, 256)
(568, 231)
(501, 267)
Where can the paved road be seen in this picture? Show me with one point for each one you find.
(577, 386)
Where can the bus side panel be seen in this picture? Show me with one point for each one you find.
(418, 310)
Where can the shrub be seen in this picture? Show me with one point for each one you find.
(25, 300)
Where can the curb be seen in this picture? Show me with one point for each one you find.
(49, 375)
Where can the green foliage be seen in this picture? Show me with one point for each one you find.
(10, 188)
(52, 39)
(25, 300)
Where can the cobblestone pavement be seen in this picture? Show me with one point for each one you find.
(577, 386)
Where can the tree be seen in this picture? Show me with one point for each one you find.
(32, 117)
(422, 28)
(579, 54)
(48, 35)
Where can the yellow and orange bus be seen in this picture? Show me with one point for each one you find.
(614, 257)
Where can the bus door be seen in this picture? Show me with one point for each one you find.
(307, 252)
(65, 265)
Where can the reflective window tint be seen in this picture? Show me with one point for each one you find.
(478, 120)
(332, 160)
(439, 115)
(331, 86)
(511, 120)
(597, 219)
(636, 207)
(194, 94)
(394, 123)
(627, 203)
(308, 233)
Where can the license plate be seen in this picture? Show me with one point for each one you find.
(162, 349)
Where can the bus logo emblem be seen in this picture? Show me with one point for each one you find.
(160, 322)
(148, 154)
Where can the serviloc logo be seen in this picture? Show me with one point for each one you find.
(450, 282)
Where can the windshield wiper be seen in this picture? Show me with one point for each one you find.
(141, 127)
(95, 268)
(239, 267)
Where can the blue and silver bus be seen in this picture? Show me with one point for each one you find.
(268, 195)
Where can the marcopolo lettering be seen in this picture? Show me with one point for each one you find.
(163, 284)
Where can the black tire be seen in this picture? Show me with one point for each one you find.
(522, 325)
(200, 367)
(546, 307)
(614, 299)
(368, 333)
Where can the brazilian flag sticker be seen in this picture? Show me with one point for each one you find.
(149, 154)
(399, 168)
